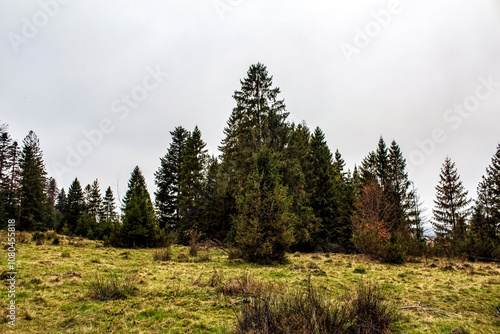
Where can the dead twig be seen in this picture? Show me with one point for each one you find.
(427, 309)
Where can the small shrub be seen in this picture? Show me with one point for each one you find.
(369, 312)
(311, 311)
(65, 254)
(163, 254)
(182, 258)
(111, 287)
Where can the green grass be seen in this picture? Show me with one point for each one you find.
(187, 296)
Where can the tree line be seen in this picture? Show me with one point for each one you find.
(276, 187)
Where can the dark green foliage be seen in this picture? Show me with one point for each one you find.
(264, 221)
(139, 225)
(397, 191)
(311, 311)
(344, 197)
(9, 176)
(258, 121)
(74, 207)
(108, 207)
(191, 181)
(484, 235)
(52, 193)
(33, 214)
(296, 172)
(94, 203)
(167, 180)
(398, 215)
(213, 223)
(321, 187)
(451, 211)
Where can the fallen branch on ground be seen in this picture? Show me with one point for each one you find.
(426, 309)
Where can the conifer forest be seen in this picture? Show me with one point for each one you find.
(250, 167)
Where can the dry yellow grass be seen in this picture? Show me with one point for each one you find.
(187, 295)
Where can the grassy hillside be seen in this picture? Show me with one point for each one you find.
(204, 294)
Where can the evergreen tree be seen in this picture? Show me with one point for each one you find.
(485, 223)
(264, 222)
(167, 180)
(94, 201)
(191, 181)
(367, 172)
(257, 122)
(382, 163)
(73, 208)
(397, 191)
(213, 223)
(52, 193)
(139, 227)
(344, 194)
(109, 225)
(296, 172)
(488, 194)
(33, 213)
(322, 186)
(61, 200)
(451, 210)
(59, 209)
(108, 212)
(9, 176)
(415, 219)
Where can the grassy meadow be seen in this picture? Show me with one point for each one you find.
(203, 294)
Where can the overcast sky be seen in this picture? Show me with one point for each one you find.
(124, 73)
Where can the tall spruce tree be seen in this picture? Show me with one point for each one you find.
(382, 163)
(9, 176)
(488, 194)
(415, 218)
(213, 224)
(167, 180)
(52, 193)
(191, 181)
(257, 122)
(322, 187)
(59, 209)
(33, 214)
(451, 210)
(108, 212)
(484, 238)
(264, 222)
(73, 208)
(296, 172)
(94, 201)
(139, 228)
(344, 194)
(398, 191)
(109, 224)
(61, 200)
